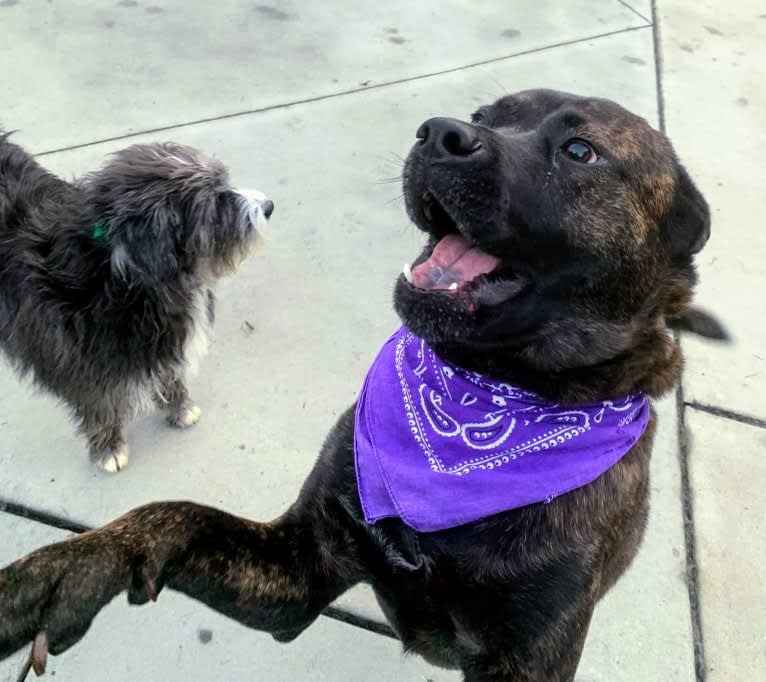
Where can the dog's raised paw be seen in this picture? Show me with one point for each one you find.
(113, 460)
(186, 417)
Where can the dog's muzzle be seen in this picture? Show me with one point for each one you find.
(256, 207)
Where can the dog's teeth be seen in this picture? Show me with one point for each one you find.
(407, 272)
(453, 286)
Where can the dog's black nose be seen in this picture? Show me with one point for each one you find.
(446, 137)
(268, 208)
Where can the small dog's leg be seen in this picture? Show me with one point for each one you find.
(112, 460)
(175, 400)
(274, 576)
(108, 449)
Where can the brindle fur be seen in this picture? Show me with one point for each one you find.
(596, 262)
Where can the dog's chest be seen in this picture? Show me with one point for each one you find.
(198, 338)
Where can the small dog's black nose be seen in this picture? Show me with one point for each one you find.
(268, 208)
(446, 137)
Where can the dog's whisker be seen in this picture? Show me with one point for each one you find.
(400, 197)
(393, 159)
(491, 94)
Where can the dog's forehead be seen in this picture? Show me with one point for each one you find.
(627, 135)
(531, 107)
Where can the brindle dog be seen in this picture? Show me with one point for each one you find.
(594, 223)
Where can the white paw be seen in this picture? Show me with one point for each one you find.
(187, 417)
(114, 460)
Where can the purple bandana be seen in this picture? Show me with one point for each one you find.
(439, 446)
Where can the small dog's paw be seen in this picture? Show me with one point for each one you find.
(187, 416)
(113, 461)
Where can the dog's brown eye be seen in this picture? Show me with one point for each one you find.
(580, 151)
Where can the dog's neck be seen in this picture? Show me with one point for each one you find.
(651, 366)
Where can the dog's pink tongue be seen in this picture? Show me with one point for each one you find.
(453, 261)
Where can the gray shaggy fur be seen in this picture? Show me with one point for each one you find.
(105, 282)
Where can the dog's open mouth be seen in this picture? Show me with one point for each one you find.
(455, 265)
(457, 268)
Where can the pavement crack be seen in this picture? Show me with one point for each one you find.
(359, 621)
(43, 517)
(343, 93)
(635, 11)
(727, 414)
(690, 537)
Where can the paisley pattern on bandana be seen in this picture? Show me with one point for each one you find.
(439, 446)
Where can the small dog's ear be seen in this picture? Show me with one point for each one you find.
(156, 205)
(687, 222)
(702, 323)
(143, 247)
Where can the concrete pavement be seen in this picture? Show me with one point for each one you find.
(315, 103)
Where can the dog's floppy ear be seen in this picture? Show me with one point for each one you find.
(700, 322)
(143, 246)
(145, 201)
(687, 222)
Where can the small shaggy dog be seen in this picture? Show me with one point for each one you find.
(105, 283)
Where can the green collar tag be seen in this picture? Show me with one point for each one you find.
(99, 230)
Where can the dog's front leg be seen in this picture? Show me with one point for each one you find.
(103, 425)
(271, 576)
(174, 400)
(537, 632)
